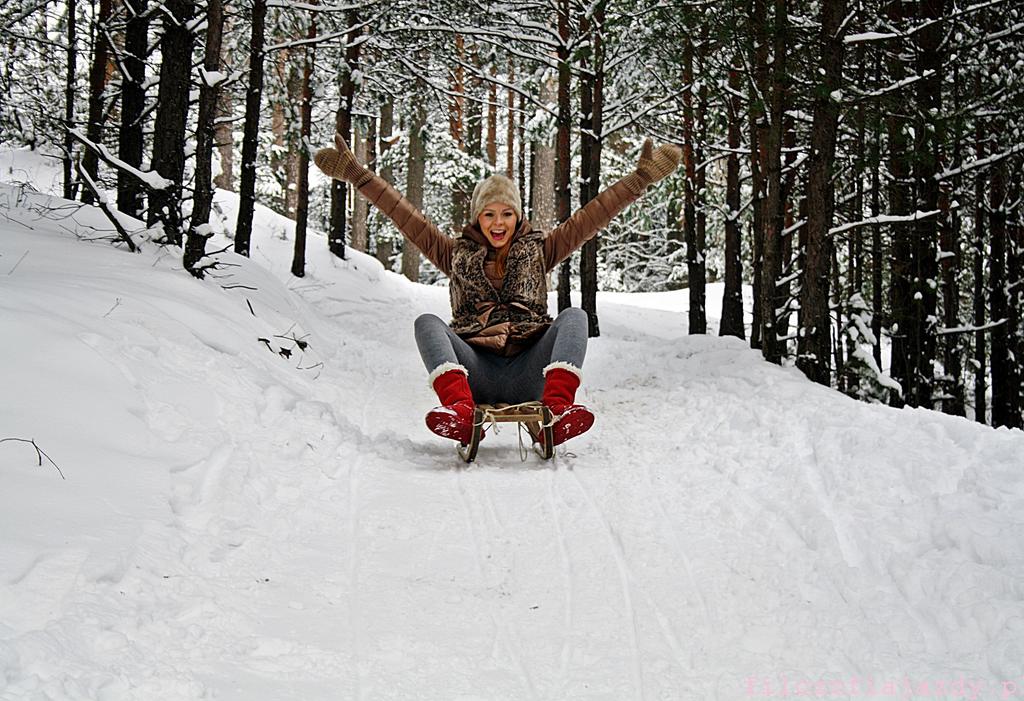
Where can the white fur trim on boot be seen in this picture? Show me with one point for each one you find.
(561, 365)
(442, 369)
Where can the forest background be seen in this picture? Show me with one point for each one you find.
(857, 163)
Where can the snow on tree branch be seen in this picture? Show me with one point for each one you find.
(970, 329)
(897, 85)
(883, 219)
(980, 163)
(151, 179)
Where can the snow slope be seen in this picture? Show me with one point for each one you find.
(236, 524)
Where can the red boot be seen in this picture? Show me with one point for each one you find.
(454, 419)
(561, 381)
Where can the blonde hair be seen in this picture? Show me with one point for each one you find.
(499, 260)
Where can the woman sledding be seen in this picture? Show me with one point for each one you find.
(501, 344)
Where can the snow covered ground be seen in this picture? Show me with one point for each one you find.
(237, 524)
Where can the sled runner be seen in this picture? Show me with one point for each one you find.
(533, 415)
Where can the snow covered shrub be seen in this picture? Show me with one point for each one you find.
(865, 380)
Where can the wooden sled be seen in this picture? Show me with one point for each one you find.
(533, 415)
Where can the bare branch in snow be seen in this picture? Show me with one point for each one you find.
(40, 453)
(23, 256)
(101, 200)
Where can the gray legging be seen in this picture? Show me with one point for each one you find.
(496, 378)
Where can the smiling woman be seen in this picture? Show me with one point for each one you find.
(497, 221)
(497, 209)
(501, 345)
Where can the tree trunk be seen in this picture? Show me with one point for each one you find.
(456, 128)
(980, 354)
(954, 400)
(492, 117)
(510, 126)
(855, 288)
(343, 125)
(877, 254)
(69, 100)
(415, 171)
(792, 206)
(773, 348)
(253, 97)
(385, 249)
(591, 113)
(732, 297)
(292, 151)
(698, 320)
(813, 342)
(279, 121)
(900, 273)
(694, 253)
(360, 207)
(928, 137)
(133, 107)
(386, 134)
(372, 164)
(97, 85)
(458, 97)
(836, 287)
(302, 179)
(171, 117)
(223, 133)
(224, 141)
(756, 116)
(474, 108)
(203, 198)
(1015, 301)
(542, 186)
(521, 130)
(855, 245)
(1002, 404)
(563, 162)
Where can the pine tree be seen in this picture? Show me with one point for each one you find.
(208, 91)
(176, 45)
(250, 138)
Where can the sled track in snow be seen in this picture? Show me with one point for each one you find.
(355, 623)
(629, 610)
(504, 634)
(631, 584)
(672, 537)
(554, 500)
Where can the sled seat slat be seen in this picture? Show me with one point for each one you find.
(534, 415)
(503, 413)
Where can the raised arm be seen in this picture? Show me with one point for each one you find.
(584, 224)
(340, 164)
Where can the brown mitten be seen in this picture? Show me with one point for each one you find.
(657, 163)
(340, 164)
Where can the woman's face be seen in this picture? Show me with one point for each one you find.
(497, 222)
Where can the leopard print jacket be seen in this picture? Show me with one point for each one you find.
(502, 320)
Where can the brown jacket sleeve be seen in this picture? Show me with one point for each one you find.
(584, 224)
(410, 221)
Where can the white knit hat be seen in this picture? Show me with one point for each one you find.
(496, 188)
